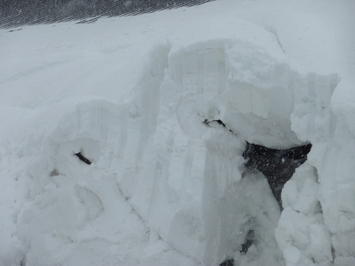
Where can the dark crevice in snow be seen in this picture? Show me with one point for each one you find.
(333, 253)
(82, 158)
(227, 262)
(218, 122)
(249, 240)
(278, 165)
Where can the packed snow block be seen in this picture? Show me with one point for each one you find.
(301, 233)
(78, 202)
(344, 261)
(252, 90)
(162, 176)
(277, 165)
(313, 118)
(343, 243)
(327, 121)
(303, 239)
(337, 190)
(301, 193)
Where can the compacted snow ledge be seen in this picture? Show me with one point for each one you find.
(134, 176)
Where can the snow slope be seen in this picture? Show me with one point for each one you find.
(131, 94)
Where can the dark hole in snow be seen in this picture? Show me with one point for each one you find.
(249, 240)
(277, 165)
(227, 262)
(217, 122)
(82, 158)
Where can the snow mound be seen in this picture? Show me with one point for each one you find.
(162, 188)
(158, 174)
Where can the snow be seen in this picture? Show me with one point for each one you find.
(131, 94)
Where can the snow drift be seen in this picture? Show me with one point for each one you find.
(162, 187)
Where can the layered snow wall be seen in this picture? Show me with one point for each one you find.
(163, 188)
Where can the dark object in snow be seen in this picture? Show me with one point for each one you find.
(227, 262)
(249, 240)
(218, 122)
(277, 165)
(82, 158)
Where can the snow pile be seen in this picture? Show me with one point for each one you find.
(332, 171)
(301, 231)
(162, 187)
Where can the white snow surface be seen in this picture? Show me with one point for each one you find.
(131, 93)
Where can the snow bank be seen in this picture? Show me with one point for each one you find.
(149, 157)
(163, 188)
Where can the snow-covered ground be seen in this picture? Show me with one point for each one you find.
(131, 94)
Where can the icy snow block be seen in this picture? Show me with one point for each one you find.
(303, 239)
(301, 193)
